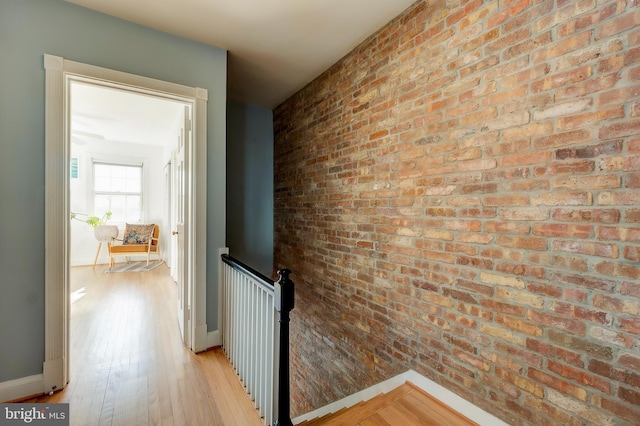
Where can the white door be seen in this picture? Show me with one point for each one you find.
(167, 218)
(181, 165)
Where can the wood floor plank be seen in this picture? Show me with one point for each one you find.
(376, 419)
(236, 402)
(129, 367)
(128, 364)
(422, 402)
(361, 411)
(406, 405)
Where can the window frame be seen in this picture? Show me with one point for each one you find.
(95, 193)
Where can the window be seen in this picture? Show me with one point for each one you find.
(118, 188)
(74, 166)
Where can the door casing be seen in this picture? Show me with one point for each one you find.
(58, 74)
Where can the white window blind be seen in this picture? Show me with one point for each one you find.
(118, 188)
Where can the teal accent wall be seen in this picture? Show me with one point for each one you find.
(250, 185)
(28, 30)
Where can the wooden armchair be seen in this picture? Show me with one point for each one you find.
(138, 240)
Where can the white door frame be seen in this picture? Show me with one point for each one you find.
(58, 73)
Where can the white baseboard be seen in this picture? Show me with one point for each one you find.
(363, 395)
(437, 391)
(213, 339)
(454, 401)
(86, 261)
(21, 388)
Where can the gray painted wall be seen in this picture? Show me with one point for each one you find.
(250, 186)
(29, 29)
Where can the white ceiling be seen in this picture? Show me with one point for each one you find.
(106, 114)
(275, 47)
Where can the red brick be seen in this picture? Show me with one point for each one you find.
(599, 317)
(589, 216)
(616, 96)
(588, 182)
(580, 376)
(629, 395)
(604, 148)
(633, 180)
(506, 200)
(614, 373)
(619, 234)
(630, 289)
(520, 269)
(630, 361)
(571, 263)
(588, 87)
(594, 283)
(521, 382)
(630, 325)
(626, 163)
(558, 139)
(572, 168)
(563, 230)
(560, 323)
(515, 8)
(563, 199)
(616, 305)
(574, 295)
(562, 79)
(551, 411)
(628, 128)
(524, 214)
(558, 384)
(519, 325)
(618, 25)
(506, 95)
(545, 289)
(621, 410)
(555, 352)
(443, 207)
(579, 344)
(586, 20)
(632, 253)
(529, 243)
(588, 248)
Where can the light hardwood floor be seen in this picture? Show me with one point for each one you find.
(129, 367)
(406, 405)
(128, 364)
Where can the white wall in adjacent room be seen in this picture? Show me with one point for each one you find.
(83, 245)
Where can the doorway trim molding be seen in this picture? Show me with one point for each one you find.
(58, 72)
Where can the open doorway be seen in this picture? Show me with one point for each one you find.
(60, 73)
(127, 168)
(122, 146)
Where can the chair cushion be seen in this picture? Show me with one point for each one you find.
(137, 233)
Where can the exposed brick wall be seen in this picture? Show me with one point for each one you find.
(460, 195)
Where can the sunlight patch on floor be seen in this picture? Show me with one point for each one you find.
(78, 294)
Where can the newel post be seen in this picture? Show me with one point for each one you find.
(284, 296)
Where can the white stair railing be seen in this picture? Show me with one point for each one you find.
(253, 323)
